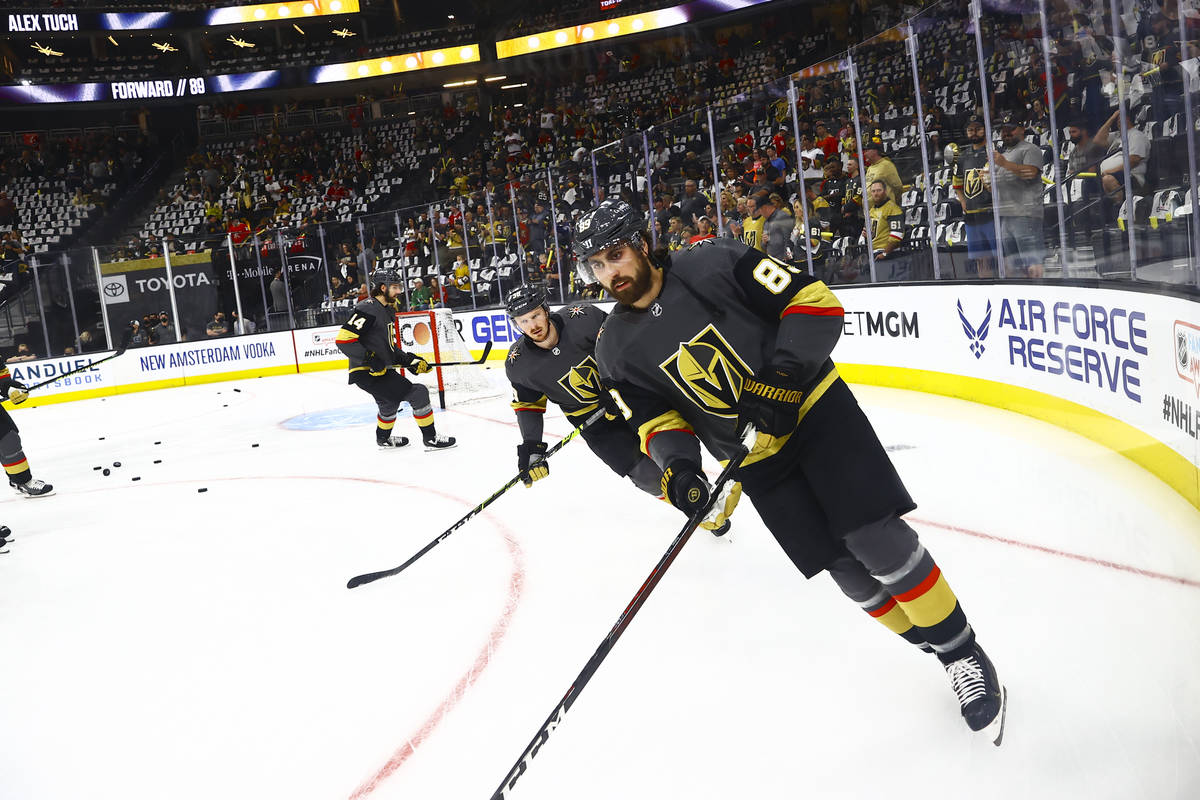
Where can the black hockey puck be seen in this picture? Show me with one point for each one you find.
(202, 489)
(158, 461)
(158, 442)
(116, 463)
(97, 468)
(102, 438)
(254, 445)
(137, 477)
(106, 471)
(225, 405)
(237, 390)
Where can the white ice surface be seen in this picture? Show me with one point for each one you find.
(157, 642)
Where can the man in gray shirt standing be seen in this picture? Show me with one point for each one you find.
(1018, 198)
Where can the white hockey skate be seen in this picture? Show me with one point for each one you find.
(33, 487)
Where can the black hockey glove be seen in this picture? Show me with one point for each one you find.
(418, 365)
(770, 401)
(685, 486)
(375, 363)
(612, 410)
(531, 462)
(12, 389)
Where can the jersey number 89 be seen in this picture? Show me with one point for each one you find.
(775, 276)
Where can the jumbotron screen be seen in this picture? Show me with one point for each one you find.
(588, 32)
(169, 88)
(44, 21)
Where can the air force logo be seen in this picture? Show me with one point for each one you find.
(709, 372)
(976, 335)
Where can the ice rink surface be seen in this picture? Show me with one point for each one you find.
(159, 643)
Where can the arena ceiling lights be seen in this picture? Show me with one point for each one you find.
(291, 10)
(618, 26)
(391, 65)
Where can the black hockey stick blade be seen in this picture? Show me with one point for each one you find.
(126, 338)
(543, 735)
(370, 577)
(487, 348)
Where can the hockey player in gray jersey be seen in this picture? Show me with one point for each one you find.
(368, 339)
(708, 339)
(554, 360)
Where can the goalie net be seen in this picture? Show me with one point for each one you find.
(434, 336)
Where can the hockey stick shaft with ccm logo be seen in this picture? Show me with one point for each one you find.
(543, 735)
(369, 577)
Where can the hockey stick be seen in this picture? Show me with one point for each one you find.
(487, 348)
(359, 580)
(639, 599)
(121, 346)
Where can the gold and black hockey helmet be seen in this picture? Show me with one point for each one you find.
(383, 277)
(521, 300)
(612, 222)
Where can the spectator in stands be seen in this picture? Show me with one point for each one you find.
(149, 329)
(279, 293)
(777, 233)
(691, 205)
(216, 326)
(337, 289)
(242, 326)
(812, 159)
(462, 274)
(972, 186)
(752, 225)
(1085, 153)
(437, 294)
(164, 333)
(8, 210)
(826, 141)
(886, 233)
(139, 337)
(420, 296)
(1116, 161)
(1018, 198)
(704, 230)
(23, 353)
(880, 167)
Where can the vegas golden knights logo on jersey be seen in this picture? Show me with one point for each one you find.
(709, 372)
(973, 185)
(583, 381)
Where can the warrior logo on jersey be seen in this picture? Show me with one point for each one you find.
(709, 372)
(583, 381)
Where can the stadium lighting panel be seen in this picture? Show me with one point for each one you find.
(618, 26)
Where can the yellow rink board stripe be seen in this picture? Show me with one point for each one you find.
(1144, 450)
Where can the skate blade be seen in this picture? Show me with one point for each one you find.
(994, 730)
(429, 449)
(50, 493)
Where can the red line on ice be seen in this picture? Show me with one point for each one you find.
(516, 584)
(1100, 562)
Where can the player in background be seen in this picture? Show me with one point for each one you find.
(555, 360)
(369, 340)
(719, 335)
(20, 477)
